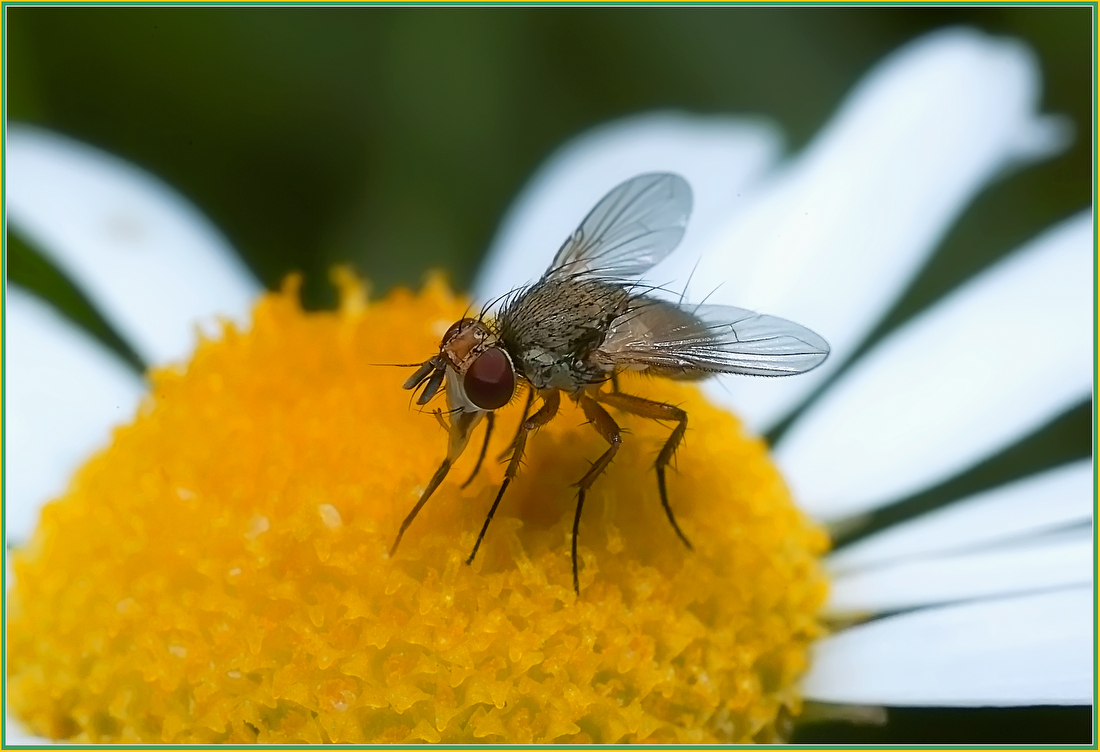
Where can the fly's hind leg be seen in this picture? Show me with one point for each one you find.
(658, 411)
(606, 426)
(551, 399)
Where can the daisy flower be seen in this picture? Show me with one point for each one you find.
(217, 570)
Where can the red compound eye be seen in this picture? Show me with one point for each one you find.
(491, 380)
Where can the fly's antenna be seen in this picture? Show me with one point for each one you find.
(424, 393)
(414, 401)
(431, 377)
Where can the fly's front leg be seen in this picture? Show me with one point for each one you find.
(606, 427)
(462, 426)
(489, 418)
(551, 399)
(658, 411)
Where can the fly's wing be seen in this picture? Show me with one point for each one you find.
(632, 228)
(685, 341)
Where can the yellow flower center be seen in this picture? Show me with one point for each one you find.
(220, 572)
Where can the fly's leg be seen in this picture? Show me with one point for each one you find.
(551, 399)
(489, 418)
(462, 426)
(657, 411)
(488, 433)
(526, 411)
(606, 427)
(433, 484)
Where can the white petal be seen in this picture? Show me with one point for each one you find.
(63, 393)
(1029, 650)
(719, 156)
(989, 364)
(836, 238)
(15, 734)
(1024, 566)
(151, 263)
(1035, 505)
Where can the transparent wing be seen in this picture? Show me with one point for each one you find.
(632, 228)
(688, 341)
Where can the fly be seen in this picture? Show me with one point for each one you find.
(584, 322)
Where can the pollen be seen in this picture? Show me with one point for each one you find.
(220, 572)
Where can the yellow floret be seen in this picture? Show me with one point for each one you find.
(220, 572)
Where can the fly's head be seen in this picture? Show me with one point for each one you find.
(478, 371)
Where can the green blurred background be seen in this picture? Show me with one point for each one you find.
(394, 138)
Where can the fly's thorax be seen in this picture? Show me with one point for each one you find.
(552, 329)
(547, 370)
